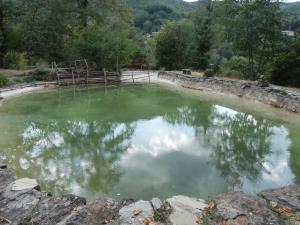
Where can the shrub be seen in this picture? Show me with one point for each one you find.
(3, 80)
(209, 73)
(15, 60)
(39, 75)
(235, 67)
(286, 66)
(16, 80)
(232, 73)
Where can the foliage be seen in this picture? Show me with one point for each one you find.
(149, 52)
(254, 29)
(152, 17)
(286, 66)
(102, 46)
(209, 73)
(173, 46)
(15, 60)
(39, 75)
(203, 35)
(235, 67)
(3, 80)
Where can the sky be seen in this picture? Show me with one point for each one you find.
(285, 0)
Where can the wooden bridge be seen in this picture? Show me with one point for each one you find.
(79, 72)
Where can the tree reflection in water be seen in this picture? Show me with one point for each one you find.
(154, 142)
(66, 156)
(242, 143)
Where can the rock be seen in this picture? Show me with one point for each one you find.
(239, 208)
(185, 210)
(156, 203)
(3, 166)
(52, 210)
(5, 179)
(262, 92)
(101, 211)
(24, 184)
(285, 197)
(15, 206)
(136, 213)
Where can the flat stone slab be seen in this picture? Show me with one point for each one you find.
(136, 213)
(185, 210)
(284, 197)
(24, 184)
(239, 208)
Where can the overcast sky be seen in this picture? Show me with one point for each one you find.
(285, 0)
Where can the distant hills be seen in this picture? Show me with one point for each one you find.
(149, 15)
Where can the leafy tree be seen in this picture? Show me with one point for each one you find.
(203, 35)
(7, 10)
(286, 66)
(254, 29)
(173, 44)
(102, 46)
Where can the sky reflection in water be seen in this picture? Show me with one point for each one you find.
(143, 142)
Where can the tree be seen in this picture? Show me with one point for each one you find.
(286, 65)
(7, 10)
(254, 29)
(203, 35)
(102, 46)
(172, 46)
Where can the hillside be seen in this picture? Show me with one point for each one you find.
(149, 15)
(179, 6)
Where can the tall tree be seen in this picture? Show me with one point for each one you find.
(7, 8)
(253, 26)
(203, 35)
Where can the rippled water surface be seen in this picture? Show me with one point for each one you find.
(144, 141)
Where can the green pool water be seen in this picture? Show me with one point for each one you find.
(147, 141)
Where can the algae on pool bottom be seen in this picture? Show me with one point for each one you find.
(143, 142)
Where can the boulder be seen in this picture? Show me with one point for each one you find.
(136, 213)
(15, 206)
(52, 210)
(185, 210)
(239, 208)
(100, 211)
(156, 203)
(5, 179)
(284, 197)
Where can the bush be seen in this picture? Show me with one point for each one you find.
(16, 80)
(235, 67)
(3, 80)
(286, 66)
(209, 73)
(15, 60)
(39, 75)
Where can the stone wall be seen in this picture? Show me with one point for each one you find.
(22, 203)
(279, 97)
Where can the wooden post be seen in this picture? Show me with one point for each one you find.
(57, 73)
(87, 71)
(117, 66)
(73, 78)
(132, 77)
(105, 78)
(149, 76)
